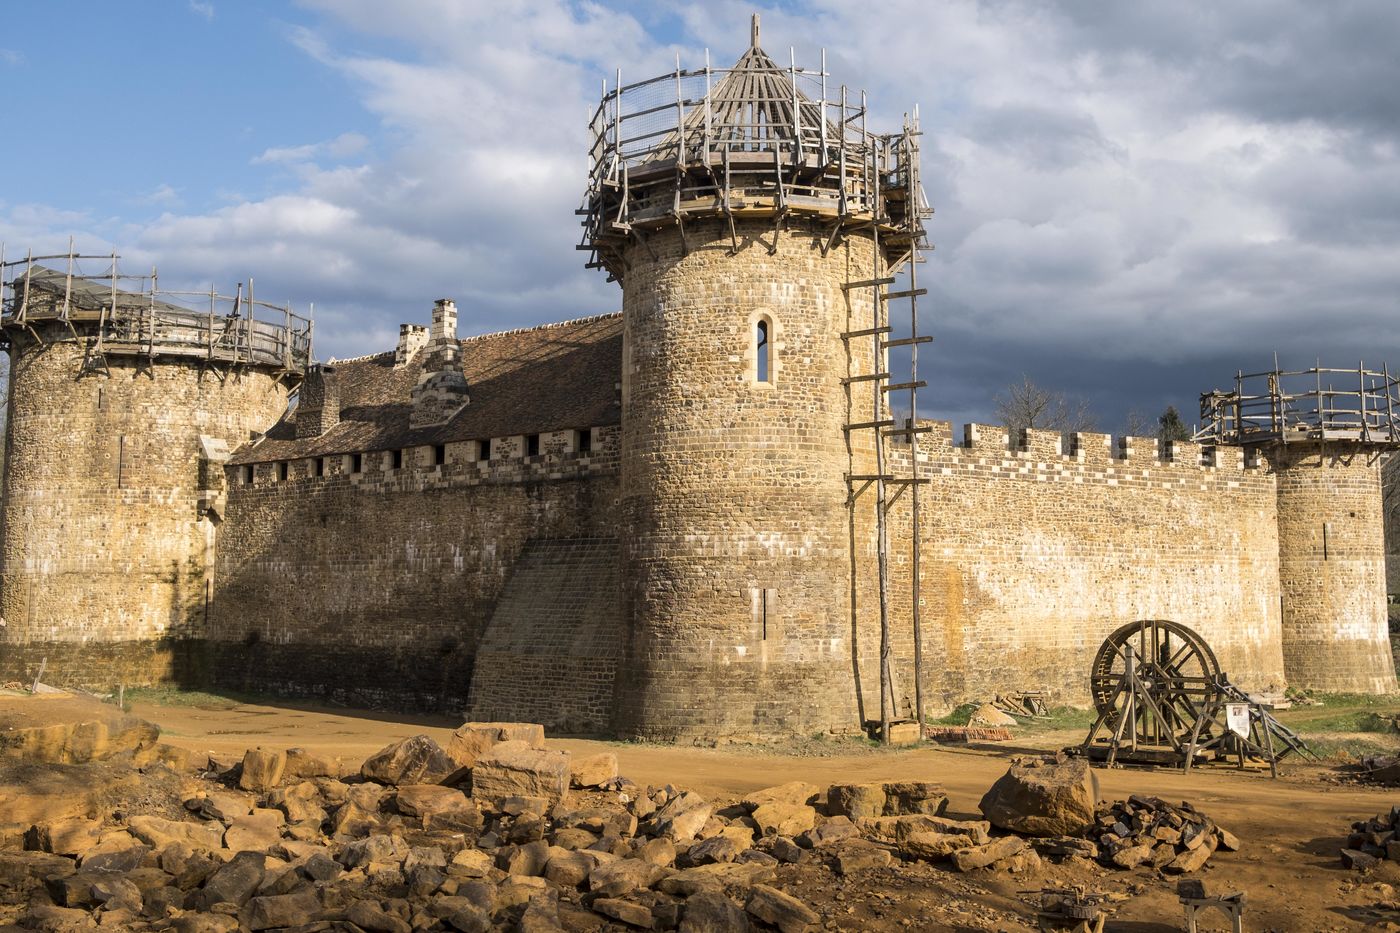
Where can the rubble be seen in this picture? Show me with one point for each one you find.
(524, 838)
(1150, 831)
(1373, 841)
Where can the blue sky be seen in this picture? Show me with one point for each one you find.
(1133, 199)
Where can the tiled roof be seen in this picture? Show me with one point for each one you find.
(548, 378)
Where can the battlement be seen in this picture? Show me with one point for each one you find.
(1077, 456)
(118, 314)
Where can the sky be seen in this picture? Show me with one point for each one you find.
(1133, 200)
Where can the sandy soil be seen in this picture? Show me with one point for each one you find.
(1291, 827)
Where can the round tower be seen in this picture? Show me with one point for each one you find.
(1331, 533)
(123, 406)
(749, 226)
(1324, 433)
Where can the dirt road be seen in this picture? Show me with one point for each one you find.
(1291, 827)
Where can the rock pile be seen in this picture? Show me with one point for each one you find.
(488, 830)
(1150, 831)
(1373, 840)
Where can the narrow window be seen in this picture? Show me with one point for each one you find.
(439, 454)
(764, 600)
(283, 471)
(247, 474)
(532, 445)
(762, 372)
(585, 440)
(483, 450)
(357, 463)
(320, 466)
(396, 459)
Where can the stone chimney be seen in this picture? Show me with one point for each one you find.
(441, 391)
(412, 338)
(318, 409)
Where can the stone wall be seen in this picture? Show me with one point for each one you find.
(556, 626)
(105, 552)
(375, 587)
(1031, 556)
(1332, 567)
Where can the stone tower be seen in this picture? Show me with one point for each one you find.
(123, 407)
(1325, 446)
(1331, 534)
(740, 224)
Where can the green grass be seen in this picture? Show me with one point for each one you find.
(174, 696)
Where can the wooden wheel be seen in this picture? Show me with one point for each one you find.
(1176, 671)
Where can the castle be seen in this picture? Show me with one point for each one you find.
(696, 518)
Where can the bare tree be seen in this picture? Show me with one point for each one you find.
(1026, 405)
(1137, 424)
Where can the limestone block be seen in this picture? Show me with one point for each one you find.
(516, 768)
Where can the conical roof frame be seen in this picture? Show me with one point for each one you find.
(753, 104)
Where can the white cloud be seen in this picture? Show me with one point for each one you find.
(1117, 186)
(11, 58)
(342, 146)
(205, 10)
(161, 194)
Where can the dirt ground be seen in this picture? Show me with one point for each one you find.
(1291, 827)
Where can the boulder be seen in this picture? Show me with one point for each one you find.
(713, 912)
(1043, 797)
(567, 868)
(516, 768)
(1189, 861)
(856, 801)
(421, 800)
(623, 876)
(473, 739)
(594, 770)
(257, 831)
(715, 877)
(369, 916)
(797, 793)
(628, 912)
(262, 769)
(832, 830)
(975, 857)
(281, 910)
(781, 910)
(989, 715)
(72, 837)
(234, 882)
(414, 760)
(784, 819)
(118, 851)
(157, 833)
(725, 847)
(899, 828)
(302, 765)
(931, 846)
(905, 797)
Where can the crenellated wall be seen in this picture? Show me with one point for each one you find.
(1032, 554)
(376, 587)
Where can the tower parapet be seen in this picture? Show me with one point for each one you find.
(1325, 433)
(124, 402)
